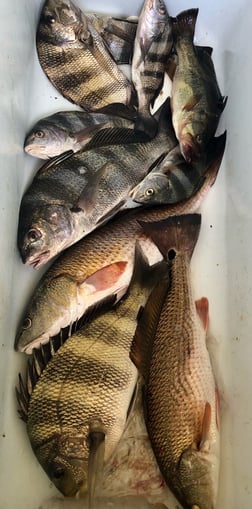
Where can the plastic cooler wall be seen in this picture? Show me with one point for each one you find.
(221, 264)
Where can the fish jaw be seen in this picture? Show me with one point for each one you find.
(44, 230)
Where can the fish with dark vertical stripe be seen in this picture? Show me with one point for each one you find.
(74, 56)
(76, 406)
(174, 180)
(152, 46)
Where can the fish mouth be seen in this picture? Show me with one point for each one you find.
(35, 344)
(33, 150)
(38, 261)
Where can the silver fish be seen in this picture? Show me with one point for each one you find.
(173, 179)
(70, 130)
(69, 199)
(152, 46)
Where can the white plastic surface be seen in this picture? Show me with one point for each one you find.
(221, 265)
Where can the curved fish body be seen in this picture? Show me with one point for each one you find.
(74, 56)
(174, 180)
(69, 130)
(77, 407)
(152, 46)
(96, 267)
(196, 100)
(180, 394)
(69, 199)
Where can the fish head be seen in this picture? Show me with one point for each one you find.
(65, 461)
(43, 232)
(155, 189)
(60, 22)
(46, 141)
(53, 307)
(198, 475)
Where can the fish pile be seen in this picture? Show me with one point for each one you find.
(119, 396)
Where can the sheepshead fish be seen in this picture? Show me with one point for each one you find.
(180, 394)
(196, 100)
(152, 46)
(173, 179)
(74, 57)
(96, 267)
(69, 199)
(70, 130)
(76, 409)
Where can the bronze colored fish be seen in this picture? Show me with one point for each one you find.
(73, 55)
(76, 405)
(196, 100)
(180, 394)
(97, 266)
(152, 46)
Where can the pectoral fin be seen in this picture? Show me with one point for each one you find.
(107, 276)
(202, 307)
(85, 135)
(205, 437)
(96, 459)
(192, 102)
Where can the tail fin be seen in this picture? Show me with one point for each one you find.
(184, 24)
(215, 151)
(145, 275)
(177, 234)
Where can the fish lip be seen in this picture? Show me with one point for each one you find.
(35, 343)
(39, 260)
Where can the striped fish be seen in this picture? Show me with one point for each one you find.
(174, 180)
(70, 130)
(152, 46)
(74, 56)
(76, 409)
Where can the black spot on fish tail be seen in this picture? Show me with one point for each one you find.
(177, 232)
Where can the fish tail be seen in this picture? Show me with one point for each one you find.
(177, 234)
(148, 125)
(145, 275)
(184, 24)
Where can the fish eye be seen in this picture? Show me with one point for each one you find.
(33, 235)
(26, 323)
(39, 134)
(58, 473)
(149, 191)
(50, 19)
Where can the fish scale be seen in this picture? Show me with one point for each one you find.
(63, 294)
(73, 55)
(90, 379)
(179, 393)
